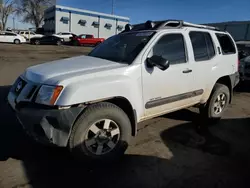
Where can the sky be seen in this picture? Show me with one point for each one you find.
(196, 11)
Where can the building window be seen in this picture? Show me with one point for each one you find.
(82, 22)
(119, 27)
(65, 20)
(108, 26)
(96, 24)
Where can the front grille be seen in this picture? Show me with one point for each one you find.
(18, 86)
(33, 89)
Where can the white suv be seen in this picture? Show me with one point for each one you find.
(92, 104)
(29, 34)
(65, 35)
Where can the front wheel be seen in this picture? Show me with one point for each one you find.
(217, 103)
(37, 42)
(102, 132)
(17, 41)
(58, 43)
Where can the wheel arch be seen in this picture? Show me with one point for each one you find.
(126, 106)
(226, 80)
(122, 103)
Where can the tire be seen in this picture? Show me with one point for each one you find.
(84, 143)
(75, 43)
(210, 110)
(37, 42)
(58, 43)
(17, 41)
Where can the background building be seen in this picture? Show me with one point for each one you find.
(65, 19)
(240, 30)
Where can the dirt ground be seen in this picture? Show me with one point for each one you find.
(171, 151)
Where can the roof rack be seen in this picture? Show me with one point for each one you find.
(166, 24)
(200, 26)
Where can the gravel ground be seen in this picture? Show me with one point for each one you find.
(175, 150)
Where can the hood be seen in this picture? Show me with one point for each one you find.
(70, 67)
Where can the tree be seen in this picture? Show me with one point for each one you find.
(32, 11)
(6, 9)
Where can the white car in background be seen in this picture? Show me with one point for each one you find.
(11, 37)
(65, 35)
(29, 34)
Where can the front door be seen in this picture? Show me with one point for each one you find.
(169, 90)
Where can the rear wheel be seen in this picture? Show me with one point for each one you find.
(217, 103)
(37, 42)
(101, 133)
(76, 43)
(17, 41)
(59, 43)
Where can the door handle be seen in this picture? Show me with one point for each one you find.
(187, 71)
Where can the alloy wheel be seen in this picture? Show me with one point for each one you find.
(102, 137)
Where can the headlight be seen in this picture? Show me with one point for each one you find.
(48, 94)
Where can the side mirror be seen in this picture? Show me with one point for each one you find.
(158, 61)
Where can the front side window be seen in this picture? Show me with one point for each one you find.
(172, 48)
(226, 44)
(88, 36)
(83, 36)
(123, 47)
(202, 45)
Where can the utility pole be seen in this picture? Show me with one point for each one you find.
(13, 23)
(113, 1)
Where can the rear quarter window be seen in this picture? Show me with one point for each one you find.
(226, 43)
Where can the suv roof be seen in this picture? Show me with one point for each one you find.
(165, 24)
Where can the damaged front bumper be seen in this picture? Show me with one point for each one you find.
(47, 125)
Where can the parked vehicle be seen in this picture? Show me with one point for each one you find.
(92, 103)
(29, 34)
(65, 35)
(47, 40)
(11, 37)
(86, 39)
(244, 69)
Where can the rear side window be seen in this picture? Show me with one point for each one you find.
(226, 44)
(202, 45)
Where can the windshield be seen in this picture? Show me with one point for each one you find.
(123, 47)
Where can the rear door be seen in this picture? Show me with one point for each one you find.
(203, 62)
(45, 40)
(90, 40)
(10, 37)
